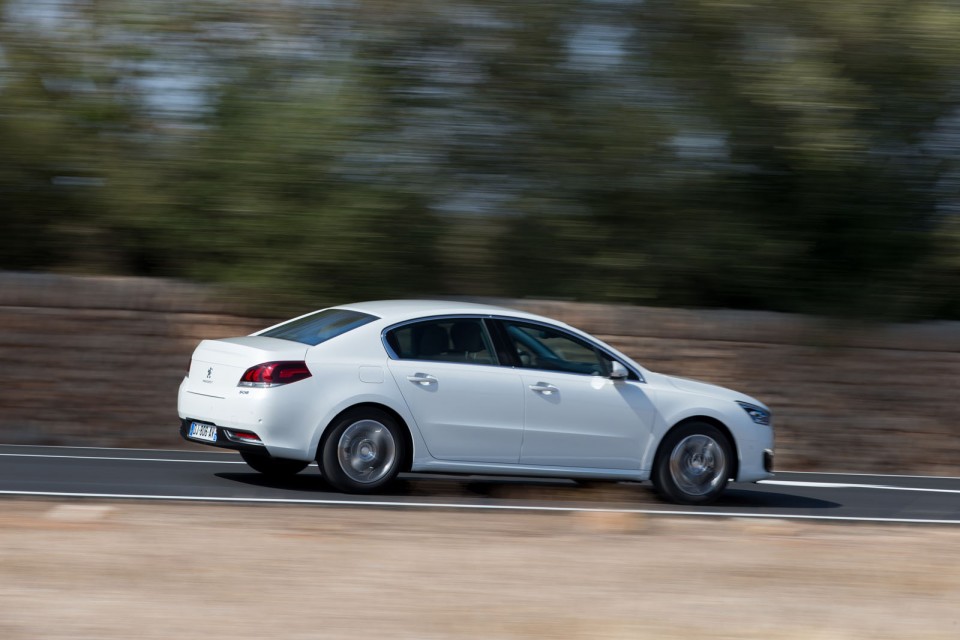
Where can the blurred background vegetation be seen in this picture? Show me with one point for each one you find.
(793, 155)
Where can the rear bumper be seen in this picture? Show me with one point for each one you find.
(280, 416)
(225, 438)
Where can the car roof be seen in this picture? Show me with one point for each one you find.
(399, 310)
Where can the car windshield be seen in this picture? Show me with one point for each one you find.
(320, 326)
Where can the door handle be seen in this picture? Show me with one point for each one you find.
(422, 379)
(545, 389)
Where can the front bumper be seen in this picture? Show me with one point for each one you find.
(226, 438)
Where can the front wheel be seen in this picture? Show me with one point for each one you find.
(273, 467)
(362, 452)
(693, 465)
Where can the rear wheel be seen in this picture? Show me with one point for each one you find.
(362, 451)
(694, 464)
(273, 467)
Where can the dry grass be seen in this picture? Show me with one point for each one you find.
(123, 570)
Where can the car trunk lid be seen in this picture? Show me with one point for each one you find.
(217, 365)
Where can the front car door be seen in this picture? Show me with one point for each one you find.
(468, 408)
(575, 416)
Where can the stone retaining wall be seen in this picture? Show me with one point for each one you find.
(97, 362)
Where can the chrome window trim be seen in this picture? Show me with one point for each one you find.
(479, 316)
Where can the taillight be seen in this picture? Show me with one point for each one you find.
(274, 374)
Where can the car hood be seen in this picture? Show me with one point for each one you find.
(712, 390)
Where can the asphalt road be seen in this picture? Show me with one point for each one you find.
(223, 477)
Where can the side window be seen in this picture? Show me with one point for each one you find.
(445, 340)
(539, 347)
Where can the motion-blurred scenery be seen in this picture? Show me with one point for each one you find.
(795, 156)
(761, 194)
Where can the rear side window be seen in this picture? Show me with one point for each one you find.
(320, 326)
(462, 340)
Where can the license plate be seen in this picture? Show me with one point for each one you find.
(206, 432)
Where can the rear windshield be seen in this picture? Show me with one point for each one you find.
(320, 326)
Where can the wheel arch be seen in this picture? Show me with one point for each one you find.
(406, 462)
(724, 429)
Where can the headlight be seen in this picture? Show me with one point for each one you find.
(758, 415)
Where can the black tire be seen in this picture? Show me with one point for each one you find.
(693, 464)
(273, 467)
(362, 451)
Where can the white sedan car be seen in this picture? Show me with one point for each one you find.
(373, 389)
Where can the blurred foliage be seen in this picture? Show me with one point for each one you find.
(798, 155)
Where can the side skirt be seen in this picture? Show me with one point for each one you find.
(486, 468)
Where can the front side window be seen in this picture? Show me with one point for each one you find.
(320, 326)
(540, 347)
(443, 340)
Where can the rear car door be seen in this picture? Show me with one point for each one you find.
(467, 407)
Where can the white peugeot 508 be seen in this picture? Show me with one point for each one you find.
(373, 389)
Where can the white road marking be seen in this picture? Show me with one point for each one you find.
(71, 446)
(50, 455)
(869, 475)
(847, 485)
(482, 507)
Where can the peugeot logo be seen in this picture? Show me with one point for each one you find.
(209, 372)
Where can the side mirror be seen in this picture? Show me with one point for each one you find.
(618, 371)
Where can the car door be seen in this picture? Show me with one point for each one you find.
(467, 407)
(575, 416)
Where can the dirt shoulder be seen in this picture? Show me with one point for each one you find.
(119, 570)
